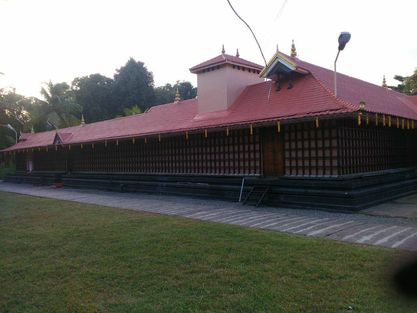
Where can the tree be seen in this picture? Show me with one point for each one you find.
(166, 94)
(187, 90)
(408, 84)
(133, 85)
(15, 110)
(59, 105)
(94, 94)
(132, 111)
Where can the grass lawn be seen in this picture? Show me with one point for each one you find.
(58, 256)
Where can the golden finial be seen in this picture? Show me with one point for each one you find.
(237, 53)
(384, 82)
(293, 50)
(177, 96)
(223, 51)
(82, 120)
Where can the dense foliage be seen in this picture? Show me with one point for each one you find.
(97, 97)
(407, 85)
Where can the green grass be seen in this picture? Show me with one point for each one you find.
(4, 170)
(58, 256)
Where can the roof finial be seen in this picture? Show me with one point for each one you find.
(384, 82)
(32, 130)
(177, 96)
(223, 51)
(82, 120)
(293, 50)
(277, 48)
(237, 53)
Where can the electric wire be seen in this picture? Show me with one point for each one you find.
(253, 34)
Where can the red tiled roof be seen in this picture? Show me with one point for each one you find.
(353, 90)
(257, 103)
(311, 95)
(29, 140)
(225, 59)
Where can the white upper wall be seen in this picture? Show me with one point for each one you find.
(219, 87)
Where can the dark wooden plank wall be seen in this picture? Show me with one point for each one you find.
(342, 147)
(272, 152)
(218, 154)
(20, 158)
(369, 148)
(335, 148)
(311, 150)
(53, 160)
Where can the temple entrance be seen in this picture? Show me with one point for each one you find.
(273, 152)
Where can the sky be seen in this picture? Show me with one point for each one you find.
(59, 40)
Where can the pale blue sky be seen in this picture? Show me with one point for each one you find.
(60, 39)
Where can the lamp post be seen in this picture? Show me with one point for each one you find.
(11, 128)
(344, 38)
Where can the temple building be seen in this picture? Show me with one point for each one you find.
(276, 134)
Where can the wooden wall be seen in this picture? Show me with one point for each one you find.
(311, 150)
(342, 147)
(334, 148)
(369, 148)
(218, 154)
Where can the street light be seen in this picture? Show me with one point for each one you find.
(11, 128)
(344, 38)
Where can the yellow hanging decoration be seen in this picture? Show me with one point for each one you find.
(133, 140)
(408, 124)
(359, 119)
(412, 124)
(251, 130)
(279, 126)
(367, 119)
(376, 119)
(383, 120)
(159, 137)
(205, 133)
(69, 147)
(39, 149)
(92, 146)
(105, 143)
(389, 120)
(317, 122)
(117, 142)
(227, 131)
(398, 122)
(82, 146)
(402, 124)
(186, 135)
(46, 149)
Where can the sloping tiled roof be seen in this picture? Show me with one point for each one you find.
(225, 59)
(377, 99)
(311, 95)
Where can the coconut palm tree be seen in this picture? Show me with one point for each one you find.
(59, 105)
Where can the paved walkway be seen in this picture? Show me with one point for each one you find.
(357, 228)
(403, 207)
